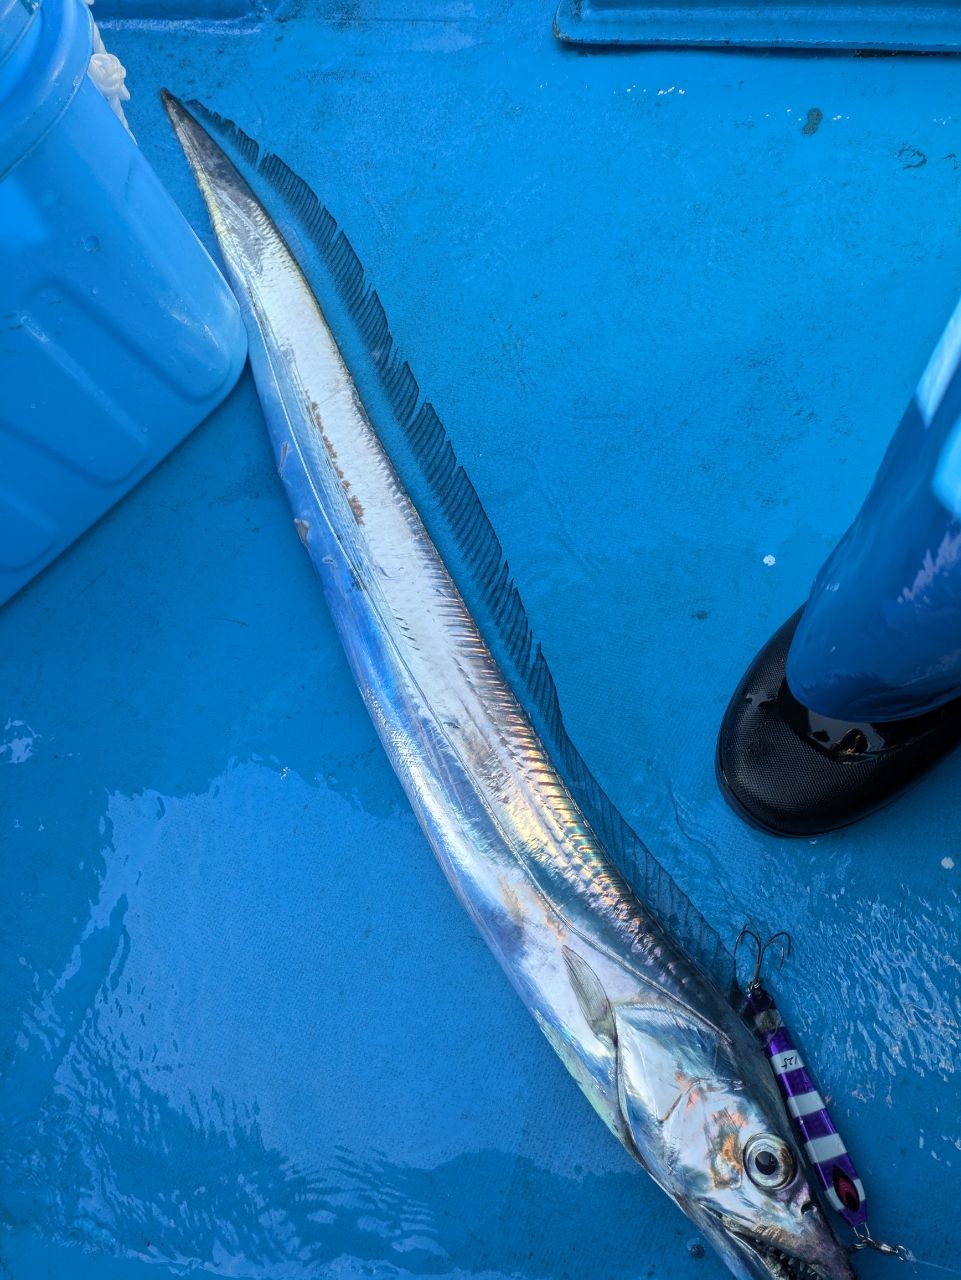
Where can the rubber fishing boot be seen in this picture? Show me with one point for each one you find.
(860, 692)
(789, 771)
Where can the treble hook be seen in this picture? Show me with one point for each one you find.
(782, 939)
(864, 1240)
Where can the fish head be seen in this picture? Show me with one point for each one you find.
(706, 1118)
(759, 1210)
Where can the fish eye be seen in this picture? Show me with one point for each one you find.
(769, 1162)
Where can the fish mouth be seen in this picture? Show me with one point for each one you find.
(779, 1265)
(767, 1261)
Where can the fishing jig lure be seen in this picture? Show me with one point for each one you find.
(824, 1147)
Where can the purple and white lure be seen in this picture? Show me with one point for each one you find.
(824, 1147)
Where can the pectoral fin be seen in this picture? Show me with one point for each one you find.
(591, 996)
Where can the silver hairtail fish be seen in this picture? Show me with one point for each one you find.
(664, 1059)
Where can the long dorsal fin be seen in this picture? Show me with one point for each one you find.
(419, 446)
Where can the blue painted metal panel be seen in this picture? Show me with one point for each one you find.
(669, 306)
(909, 25)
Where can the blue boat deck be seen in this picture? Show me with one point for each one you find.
(670, 306)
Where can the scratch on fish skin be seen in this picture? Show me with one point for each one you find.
(688, 1088)
(355, 505)
(303, 530)
(328, 443)
(332, 452)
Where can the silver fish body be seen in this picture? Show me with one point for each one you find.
(664, 1059)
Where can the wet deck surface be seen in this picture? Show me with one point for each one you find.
(670, 307)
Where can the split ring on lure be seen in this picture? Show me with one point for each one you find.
(817, 1133)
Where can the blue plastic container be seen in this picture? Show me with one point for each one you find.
(118, 334)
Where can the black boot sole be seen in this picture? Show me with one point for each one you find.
(790, 772)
